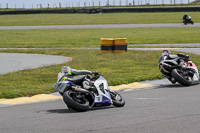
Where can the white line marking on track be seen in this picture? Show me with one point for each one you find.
(143, 98)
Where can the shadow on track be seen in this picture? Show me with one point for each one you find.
(176, 85)
(62, 111)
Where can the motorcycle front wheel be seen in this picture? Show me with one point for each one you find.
(75, 101)
(186, 81)
(117, 99)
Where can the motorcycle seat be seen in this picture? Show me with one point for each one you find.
(77, 80)
(172, 56)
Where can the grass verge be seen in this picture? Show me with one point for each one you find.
(132, 66)
(91, 37)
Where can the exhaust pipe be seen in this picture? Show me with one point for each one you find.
(167, 65)
(80, 90)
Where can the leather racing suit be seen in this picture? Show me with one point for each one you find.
(69, 74)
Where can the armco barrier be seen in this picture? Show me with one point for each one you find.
(93, 10)
(152, 9)
(109, 10)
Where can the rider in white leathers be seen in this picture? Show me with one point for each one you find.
(71, 75)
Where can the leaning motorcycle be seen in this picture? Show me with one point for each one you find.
(178, 68)
(81, 99)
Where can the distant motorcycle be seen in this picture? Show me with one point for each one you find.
(81, 99)
(178, 68)
(188, 21)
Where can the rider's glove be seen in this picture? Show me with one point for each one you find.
(92, 88)
(187, 56)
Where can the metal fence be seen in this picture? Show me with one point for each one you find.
(90, 3)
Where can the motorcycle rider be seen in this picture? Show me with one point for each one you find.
(166, 55)
(185, 17)
(69, 74)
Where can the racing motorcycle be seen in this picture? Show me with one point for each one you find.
(79, 99)
(189, 20)
(178, 68)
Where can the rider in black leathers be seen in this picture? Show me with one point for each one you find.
(166, 55)
(185, 17)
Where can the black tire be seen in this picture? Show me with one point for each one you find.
(184, 22)
(192, 22)
(79, 104)
(172, 81)
(179, 78)
(117, 99)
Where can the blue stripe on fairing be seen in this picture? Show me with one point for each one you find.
(70, 83)
(105, 102)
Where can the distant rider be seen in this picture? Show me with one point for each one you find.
(185, 17)
(69, 74)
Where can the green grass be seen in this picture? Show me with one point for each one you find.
(90, 19)
(132, 66)
(91, 37)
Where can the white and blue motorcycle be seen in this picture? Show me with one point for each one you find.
(81, 99)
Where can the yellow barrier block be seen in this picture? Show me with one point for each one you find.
(131, 86)
(119, 41)
(107, 45)
(120, 45)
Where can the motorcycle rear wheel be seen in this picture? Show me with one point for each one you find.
(184, 22)
(75, 102)
(117, 99)
(180, 78)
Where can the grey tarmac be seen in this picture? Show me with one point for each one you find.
(169, 45)
(188, 50)
(166, 109)
(97, 26)
(11, 62)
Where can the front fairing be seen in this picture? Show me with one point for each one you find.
(196, 74)
(61, 86)
(103, 98)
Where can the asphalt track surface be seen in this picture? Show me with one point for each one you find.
(169, 45)
(14, 61)
(164, 108)
(98, 26)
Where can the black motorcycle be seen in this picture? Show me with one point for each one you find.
(188, 21)
(178, 68)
